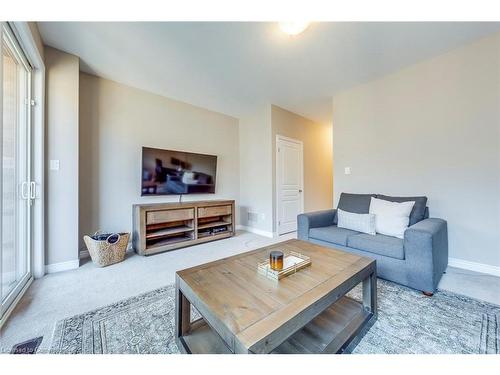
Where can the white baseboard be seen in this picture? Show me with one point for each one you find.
(473, 266)
(260, 232)
(63, 266)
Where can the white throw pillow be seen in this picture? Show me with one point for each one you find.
(391, 218)
(359, 222)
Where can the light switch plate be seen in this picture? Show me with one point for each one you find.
(347, 170)
(54, 165)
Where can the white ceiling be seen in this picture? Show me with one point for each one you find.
(233, 67)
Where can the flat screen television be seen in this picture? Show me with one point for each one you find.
(166, 172)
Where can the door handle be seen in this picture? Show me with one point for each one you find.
(32, 190)
(24, 194)
(300, 190)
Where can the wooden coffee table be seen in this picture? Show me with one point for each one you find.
(245, 312)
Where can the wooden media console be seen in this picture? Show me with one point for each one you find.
(169, 226)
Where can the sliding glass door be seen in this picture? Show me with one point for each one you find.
(16, 189)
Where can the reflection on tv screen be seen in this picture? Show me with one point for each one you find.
(176, 172)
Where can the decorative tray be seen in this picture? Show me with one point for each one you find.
(292, 262)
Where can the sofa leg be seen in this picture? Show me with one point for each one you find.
(428, 294)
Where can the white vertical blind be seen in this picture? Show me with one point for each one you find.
(9, 178)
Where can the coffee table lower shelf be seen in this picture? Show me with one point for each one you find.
(333, 331)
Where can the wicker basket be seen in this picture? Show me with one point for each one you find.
(107, 249)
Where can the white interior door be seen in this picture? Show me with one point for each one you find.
(15, 187)
(289, 183)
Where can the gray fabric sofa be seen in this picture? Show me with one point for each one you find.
(417, 261)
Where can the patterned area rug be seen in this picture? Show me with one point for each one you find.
(408, 322)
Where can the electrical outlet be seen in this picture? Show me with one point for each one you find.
(252, 216)
(347, 170)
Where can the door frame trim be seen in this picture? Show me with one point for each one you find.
(9, 302)
(276, 192)
(26, 40)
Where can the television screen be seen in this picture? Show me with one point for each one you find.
(175, 172)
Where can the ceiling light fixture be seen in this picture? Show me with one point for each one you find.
(293, 28)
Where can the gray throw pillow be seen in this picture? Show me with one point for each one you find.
(355, 203)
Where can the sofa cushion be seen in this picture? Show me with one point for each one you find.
(419, 209)
(378, 244)
(356, 203)
(332, 234)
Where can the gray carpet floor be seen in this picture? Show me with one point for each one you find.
(408, 323)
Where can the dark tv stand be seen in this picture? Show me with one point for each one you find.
(169, 226)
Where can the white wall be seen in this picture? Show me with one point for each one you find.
(431, 129)
(116, 121)
(256, 171)
(61, 193)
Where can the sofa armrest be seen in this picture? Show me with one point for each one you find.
(426, 251)
(313, 220)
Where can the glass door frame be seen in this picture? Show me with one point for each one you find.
(7, 304)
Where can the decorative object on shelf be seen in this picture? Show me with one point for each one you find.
(292, 262)
(276, 260)
(219, 229)
(107, 248)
